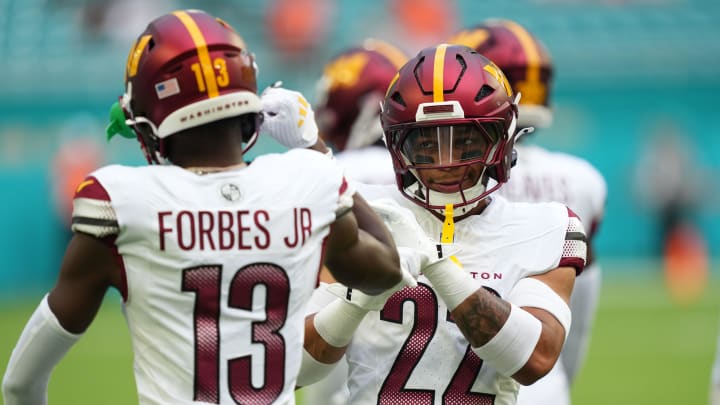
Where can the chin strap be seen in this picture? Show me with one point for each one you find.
(444, 199)
(448, 233)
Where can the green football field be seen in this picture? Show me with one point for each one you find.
(645, 349)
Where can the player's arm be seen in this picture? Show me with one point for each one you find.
(520, 336)
(88, 269)
(329, 331)
(360, 252)
(522, 339)
(327, 336)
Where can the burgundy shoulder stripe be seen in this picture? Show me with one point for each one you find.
(91, 188)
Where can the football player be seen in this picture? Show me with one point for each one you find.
(496, 314)
(543, 175)
(214, 259)
(347, 108)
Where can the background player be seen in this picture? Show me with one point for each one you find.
(542, 175)
(214, 259)
(347, 108)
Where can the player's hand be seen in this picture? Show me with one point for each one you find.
(377, 302)
(288, 118)
(421, 250)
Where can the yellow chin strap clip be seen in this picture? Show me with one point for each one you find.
(448, 231)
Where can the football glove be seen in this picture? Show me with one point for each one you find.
(288, 117)
(408, 233)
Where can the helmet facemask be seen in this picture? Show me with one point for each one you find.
(449, 119)
(451, 161)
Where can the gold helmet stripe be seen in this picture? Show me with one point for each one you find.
(532, 52)
(438, 73)
(393, 54)
(202, 52)
(134, 57)
(470, 38)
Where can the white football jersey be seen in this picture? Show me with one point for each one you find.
(218, 270)
(369, 165)
(542, 175)
(411, 352)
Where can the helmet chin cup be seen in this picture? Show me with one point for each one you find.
(462, 202)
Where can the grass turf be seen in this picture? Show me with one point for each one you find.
(644, 349)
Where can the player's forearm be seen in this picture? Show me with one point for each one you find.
(481, 316)
(523, 335)
(318, 347)
(547, 349)
(367, 265)
(504, 335)
(42, 344)
(370, 222)
(327, 335)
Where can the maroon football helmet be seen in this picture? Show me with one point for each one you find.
(186, 69)
(524, 60)
(350, 91)
(449, 121)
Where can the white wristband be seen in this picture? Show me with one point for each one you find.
(312, 371)
(530, 292)
(451, 282)
(514, 343)
(337, 322)
(42, 344)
